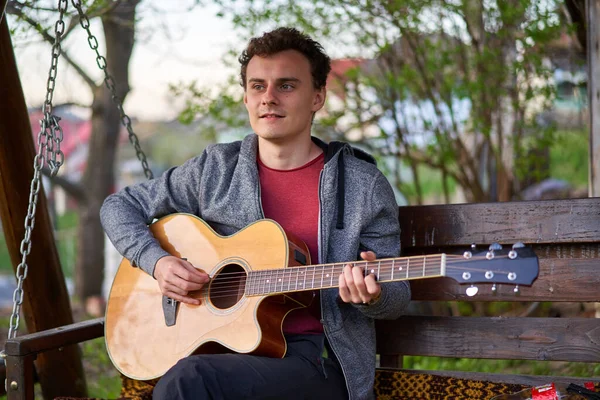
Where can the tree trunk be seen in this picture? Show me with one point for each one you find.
(98, 180)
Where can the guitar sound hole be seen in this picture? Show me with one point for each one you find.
(227, 288)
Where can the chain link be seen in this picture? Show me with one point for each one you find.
(49, 139)
(110, 84)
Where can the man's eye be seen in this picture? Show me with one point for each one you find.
(287, 86)
(258, 87)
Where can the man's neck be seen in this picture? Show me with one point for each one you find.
(289, 154)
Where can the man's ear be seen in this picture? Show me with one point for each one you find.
(319, 99)
(245, 97)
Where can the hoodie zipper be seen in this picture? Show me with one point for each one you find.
(325, 329)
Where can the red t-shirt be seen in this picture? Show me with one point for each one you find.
(291, 197)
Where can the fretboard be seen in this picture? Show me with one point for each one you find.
(324, 276)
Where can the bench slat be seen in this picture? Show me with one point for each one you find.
(549, 221)
(50, 339)
(545, 339)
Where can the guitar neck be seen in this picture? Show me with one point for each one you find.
(324, 276)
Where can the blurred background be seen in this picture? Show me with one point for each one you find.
(459, 101)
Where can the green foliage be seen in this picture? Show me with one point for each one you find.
(525, 367)
(103, 379)
(569, 157)
(426, 58)
(66, 243)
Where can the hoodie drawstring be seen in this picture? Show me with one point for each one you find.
(341, 192)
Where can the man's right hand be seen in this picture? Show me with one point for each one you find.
(177, 278)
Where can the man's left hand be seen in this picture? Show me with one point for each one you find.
(354, 287)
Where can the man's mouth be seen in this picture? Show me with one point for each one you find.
(270, 116)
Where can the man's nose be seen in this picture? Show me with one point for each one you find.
(269, 95)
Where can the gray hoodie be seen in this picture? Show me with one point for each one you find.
(358, 212)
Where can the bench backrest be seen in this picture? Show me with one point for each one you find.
(565, 235)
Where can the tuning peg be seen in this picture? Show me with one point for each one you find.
(467, 255)
(473, 246)
(472, 291)
(495, 246)
(494, 289)
(516, 289)
(513, 253)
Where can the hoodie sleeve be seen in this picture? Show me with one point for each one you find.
(126, 214)
(382, 235)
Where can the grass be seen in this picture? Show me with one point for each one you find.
(103, 380)
(569, 157)
(582, 370)
(66, 243)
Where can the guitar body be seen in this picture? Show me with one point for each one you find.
(140, 343)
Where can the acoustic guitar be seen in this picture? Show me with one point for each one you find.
(258, 275)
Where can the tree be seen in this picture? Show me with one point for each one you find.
(118, 22)
(456, 86)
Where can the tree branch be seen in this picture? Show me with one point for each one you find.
(50, 39)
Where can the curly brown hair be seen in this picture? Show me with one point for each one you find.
(282, 39)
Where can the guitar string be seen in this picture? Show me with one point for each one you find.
(382, 267)
(450, 260)
(224, 287)
(387, 265)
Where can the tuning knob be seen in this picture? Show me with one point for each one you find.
(495, 246)
(518, 245)
(472, 291)
(516, 289)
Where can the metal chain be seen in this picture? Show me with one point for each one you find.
(110, 84)
(48, 140)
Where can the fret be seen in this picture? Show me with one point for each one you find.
(261, 282)
(392, 274)
(371, 271)
(248, 287)
(313, 277)
(322, 276)
(289, 278)
(279, 283)
(407, 266)
(303, 285)
(269, 280)
(424, 261)
(378, 269)
(332, 274)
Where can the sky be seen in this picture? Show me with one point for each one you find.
(174, 44)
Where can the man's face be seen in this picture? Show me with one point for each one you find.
(280, 96)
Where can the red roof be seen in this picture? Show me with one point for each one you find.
(337, 77)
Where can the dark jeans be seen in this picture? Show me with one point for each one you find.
(301, 374)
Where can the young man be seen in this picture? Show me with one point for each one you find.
(330, 196)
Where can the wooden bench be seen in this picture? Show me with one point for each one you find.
(565, 235)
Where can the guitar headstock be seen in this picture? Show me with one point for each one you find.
(517, 265)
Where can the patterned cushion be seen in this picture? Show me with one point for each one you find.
(405, 385)
(390, 384)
